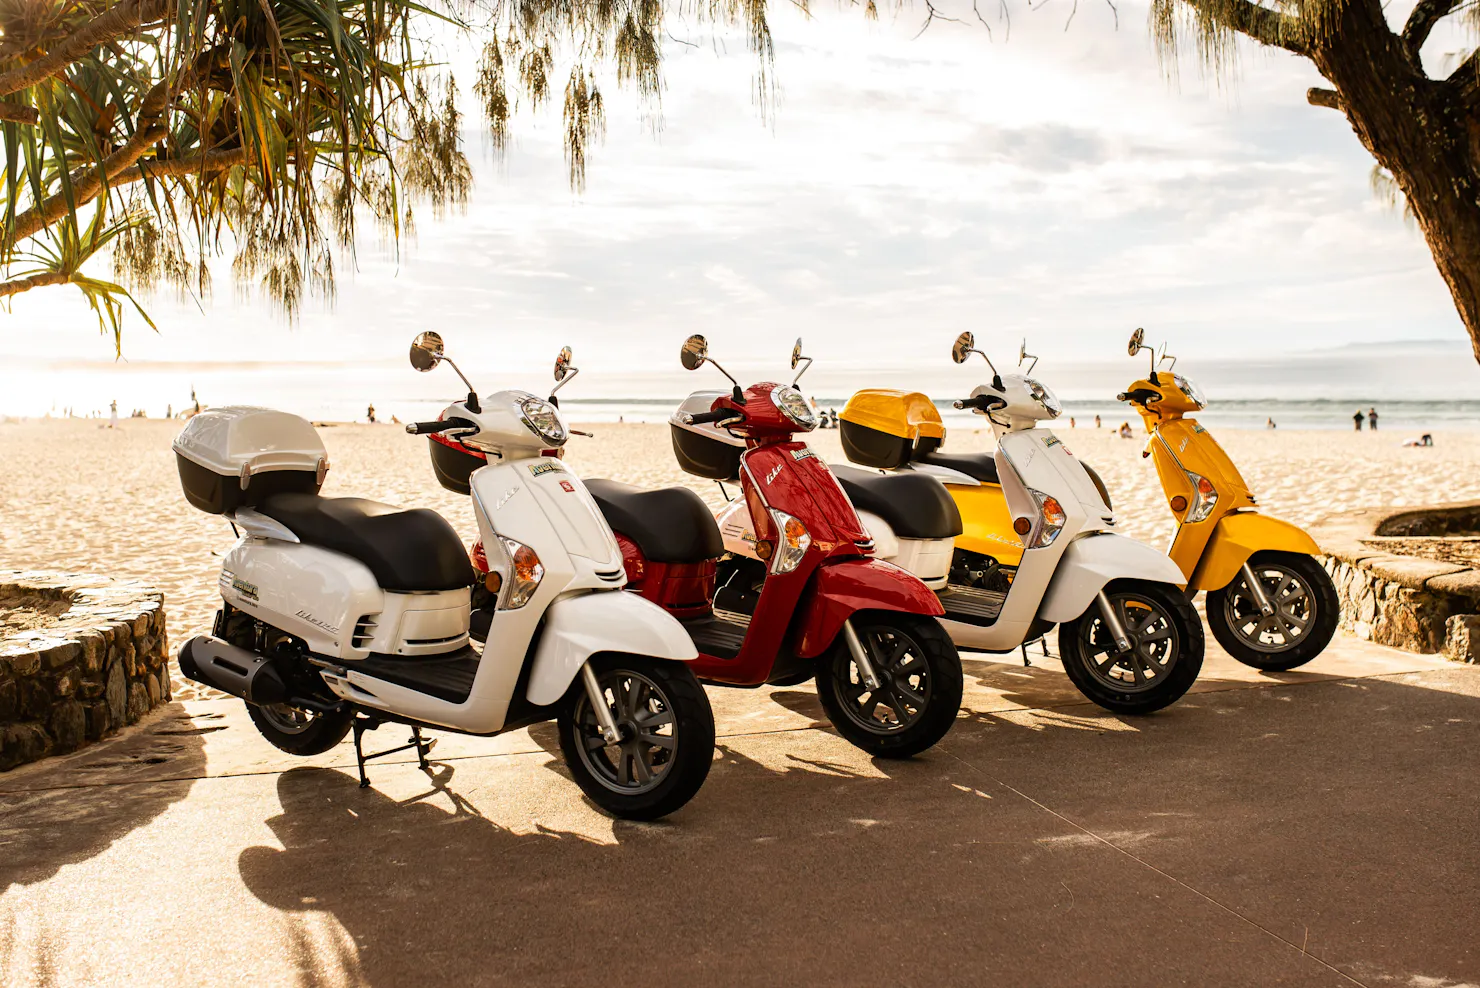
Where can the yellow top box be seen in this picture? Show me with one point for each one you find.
(906, 414)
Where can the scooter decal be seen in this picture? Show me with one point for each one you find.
(775, 471)
(505, 499)
(549, 466)
(322, 624)
(1053, 441)
(247, 590)
(568, 487)
(801, 454)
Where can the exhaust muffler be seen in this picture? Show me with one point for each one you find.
(221, 665)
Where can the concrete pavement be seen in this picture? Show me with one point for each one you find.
(1308, 828)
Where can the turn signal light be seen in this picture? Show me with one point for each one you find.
(1022, 525)
(526, 572)
(763, 549)
(494, 582)
(1179, 504)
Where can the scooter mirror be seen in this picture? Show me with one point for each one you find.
(964, 344)
(562, 364)
(695, 351)
(1137, 338)
(426, 351)
(796, 354)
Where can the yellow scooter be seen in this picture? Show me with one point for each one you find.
(1270, 604)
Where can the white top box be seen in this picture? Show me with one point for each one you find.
(240, 441)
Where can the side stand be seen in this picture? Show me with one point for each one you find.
(363, 723)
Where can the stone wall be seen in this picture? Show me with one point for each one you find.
(1405, 601)
(98, 666)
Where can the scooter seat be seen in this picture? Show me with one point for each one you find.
(916, 506)
(977, 466)
(669, 524)
(407, 549)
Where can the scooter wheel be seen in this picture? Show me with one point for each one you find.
(298, 731)
(666, 744)
(1307, 610)
(1165, 656)
(920, 693)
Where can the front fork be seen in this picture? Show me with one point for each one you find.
(1256, 589)
(597, 699)
(860, 655)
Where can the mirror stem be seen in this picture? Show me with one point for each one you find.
(806, 363)
(569, 376)
(738, 395)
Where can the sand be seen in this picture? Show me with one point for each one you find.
(75, 497)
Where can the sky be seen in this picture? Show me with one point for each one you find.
(1050, 184)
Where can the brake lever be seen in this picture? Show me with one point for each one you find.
(578, 432)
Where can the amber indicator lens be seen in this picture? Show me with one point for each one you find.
(494, 582)
(1021, 525)
(1179, 503)
(763, 549)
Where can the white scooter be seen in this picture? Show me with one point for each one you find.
(1128, 636)
(343, 613)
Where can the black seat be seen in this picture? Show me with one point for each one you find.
(406, 549)
(669, 525)
(977, 466)
(915, 505)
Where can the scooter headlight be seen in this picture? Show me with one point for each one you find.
(1050, 523)
(543, 420)
(525, 573)
(792, 542)
(1204, 497)
(1192, 391)
(1044, 397)
(795, 407)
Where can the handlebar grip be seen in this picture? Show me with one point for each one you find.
(444, 425)
(706, 418)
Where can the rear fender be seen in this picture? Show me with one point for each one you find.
(1238, 536)
(1091, 562)
(840, 589)
(577, 627)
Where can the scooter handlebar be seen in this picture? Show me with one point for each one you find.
(443, 425)
(1141, 396)
(982, 403)
(706, 418)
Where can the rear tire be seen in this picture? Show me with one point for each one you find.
(920, 695)
(1166, 651)
(667, 741)
(298, 731)
(1307, 612)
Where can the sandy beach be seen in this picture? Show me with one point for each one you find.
(77, 497)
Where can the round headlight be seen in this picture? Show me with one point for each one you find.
(543, 419)
(1044, 397)
(795, 408)
(1191, 390)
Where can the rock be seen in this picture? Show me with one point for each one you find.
(97, 721)
(94, 650)
(24, 663)
(151, 686)
(164, 682)
(141, 625)
(138, 702)
(35, 699)
(64, 685)
(92, 688)
(62, 654)
(117, 696)
(1462, 638)
(68, 726)
(157, 621)
(21, 743)
(10, 700)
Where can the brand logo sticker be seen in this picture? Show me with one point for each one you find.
(776, 470)
(247, 590)
(1053, 441)
(803, 453)
(1198, 428)
(505, 499)
(322, 624)
(568, 487)
(549, 466)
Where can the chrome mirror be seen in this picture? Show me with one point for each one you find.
(1137, 339)
(797, 358)
(564, 372)
(694, 353)
(965, 344)
(1023, 354)
(426, 351)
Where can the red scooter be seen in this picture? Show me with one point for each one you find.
(816, 603)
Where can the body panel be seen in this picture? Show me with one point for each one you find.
(580, 625)
(1239, 535)
(1093, 561)
(843, 587)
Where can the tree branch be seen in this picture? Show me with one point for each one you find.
(1328, 98)
(1464, 82)
(16, 113)
(1266, 26)
(19, 285)
(179, 167)
(1422, 21)
(115, 22)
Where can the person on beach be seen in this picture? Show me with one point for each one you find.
(1071, 421)
(113, 414)
(1371, 420)
(1125, 430)
(1357, 418)
(370, 414)
(1269, 423)
(1097, 421)
(1426, 439)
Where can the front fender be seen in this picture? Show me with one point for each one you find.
(839, 589)
(1091, 562)
(578, 626)
(1238, 536)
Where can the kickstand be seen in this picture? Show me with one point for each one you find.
(1024, 647)
(364, 723)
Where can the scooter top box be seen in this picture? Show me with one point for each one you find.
(705, 450)
(236, 456)
(880, 426)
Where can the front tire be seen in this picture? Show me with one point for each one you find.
(919, 697)
(667, 742)
(298, 731)
(1162, 663)
(1307, 610)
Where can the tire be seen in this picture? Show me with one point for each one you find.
(1305, 594)
(1152, 613)
(640, 691)
(921, 692)
(298, 731)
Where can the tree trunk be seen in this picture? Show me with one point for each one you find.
(1416, 129)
